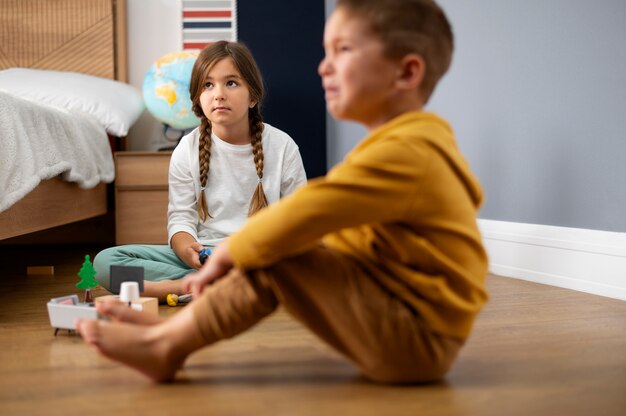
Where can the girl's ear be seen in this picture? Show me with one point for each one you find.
(412, 69)
(252, 104)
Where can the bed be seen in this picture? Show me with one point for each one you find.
(58, 38)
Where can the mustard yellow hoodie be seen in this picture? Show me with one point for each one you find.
(403, 203)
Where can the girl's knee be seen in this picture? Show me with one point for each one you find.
(102, 263)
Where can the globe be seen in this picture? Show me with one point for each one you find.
(166, 90)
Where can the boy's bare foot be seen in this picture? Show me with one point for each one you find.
(155, 350)
(120, 312)
(138, 346)
(162, 288)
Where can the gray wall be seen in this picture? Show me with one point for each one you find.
(537, 96)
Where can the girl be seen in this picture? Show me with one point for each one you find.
(225, 170)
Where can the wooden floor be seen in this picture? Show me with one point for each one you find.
(536, 350)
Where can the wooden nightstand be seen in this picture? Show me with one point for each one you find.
(141, 197)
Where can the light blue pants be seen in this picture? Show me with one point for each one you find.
(159, 262)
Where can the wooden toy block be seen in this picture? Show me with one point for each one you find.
(149, 305)
(40, 270)
(145, 304)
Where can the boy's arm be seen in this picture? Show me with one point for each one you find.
(378, 184)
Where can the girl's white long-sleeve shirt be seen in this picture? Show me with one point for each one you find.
(231, 182)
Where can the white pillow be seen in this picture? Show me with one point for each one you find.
(114, 104)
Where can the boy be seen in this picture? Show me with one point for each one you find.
(382, 258)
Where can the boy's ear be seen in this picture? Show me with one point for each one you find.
(412, 69)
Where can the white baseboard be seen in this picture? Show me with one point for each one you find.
(585, 260)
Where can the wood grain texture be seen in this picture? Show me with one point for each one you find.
(142, 169)
(141, 197)
(54, 202)
(535, 350)
(141, 217)
(65, 35)
(87, 36)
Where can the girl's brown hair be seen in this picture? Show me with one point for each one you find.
(247, 67)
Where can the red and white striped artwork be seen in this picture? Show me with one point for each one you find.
(207, 21)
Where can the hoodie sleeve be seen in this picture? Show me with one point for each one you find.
(375, 184)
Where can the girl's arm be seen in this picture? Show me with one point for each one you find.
(293, 175)
(182, 215)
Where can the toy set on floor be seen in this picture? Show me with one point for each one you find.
(125, 280)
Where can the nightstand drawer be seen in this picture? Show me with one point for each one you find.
(142, 169)
(141, 197)
(142, 217)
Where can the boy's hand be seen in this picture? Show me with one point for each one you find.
(218, 264)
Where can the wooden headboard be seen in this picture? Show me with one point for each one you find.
(87, 36)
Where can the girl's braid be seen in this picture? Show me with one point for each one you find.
(205, 157)
(259, 200)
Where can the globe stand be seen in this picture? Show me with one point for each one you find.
(173, 135)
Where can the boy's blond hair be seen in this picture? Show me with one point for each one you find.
(409, 26)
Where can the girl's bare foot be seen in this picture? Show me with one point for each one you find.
(120, 312)
(162, 288)
(157, 351)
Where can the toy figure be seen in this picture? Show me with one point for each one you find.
(204, 254)
(87, 280)
(175, 300)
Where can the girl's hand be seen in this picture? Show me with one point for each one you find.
(190, 255)
(187, 248)
(218, 264)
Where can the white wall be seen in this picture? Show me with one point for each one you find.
(154, 29)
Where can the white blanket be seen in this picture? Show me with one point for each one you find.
(39, 142)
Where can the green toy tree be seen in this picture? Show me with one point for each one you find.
(87, 281)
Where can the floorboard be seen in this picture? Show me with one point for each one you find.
(536, 350)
